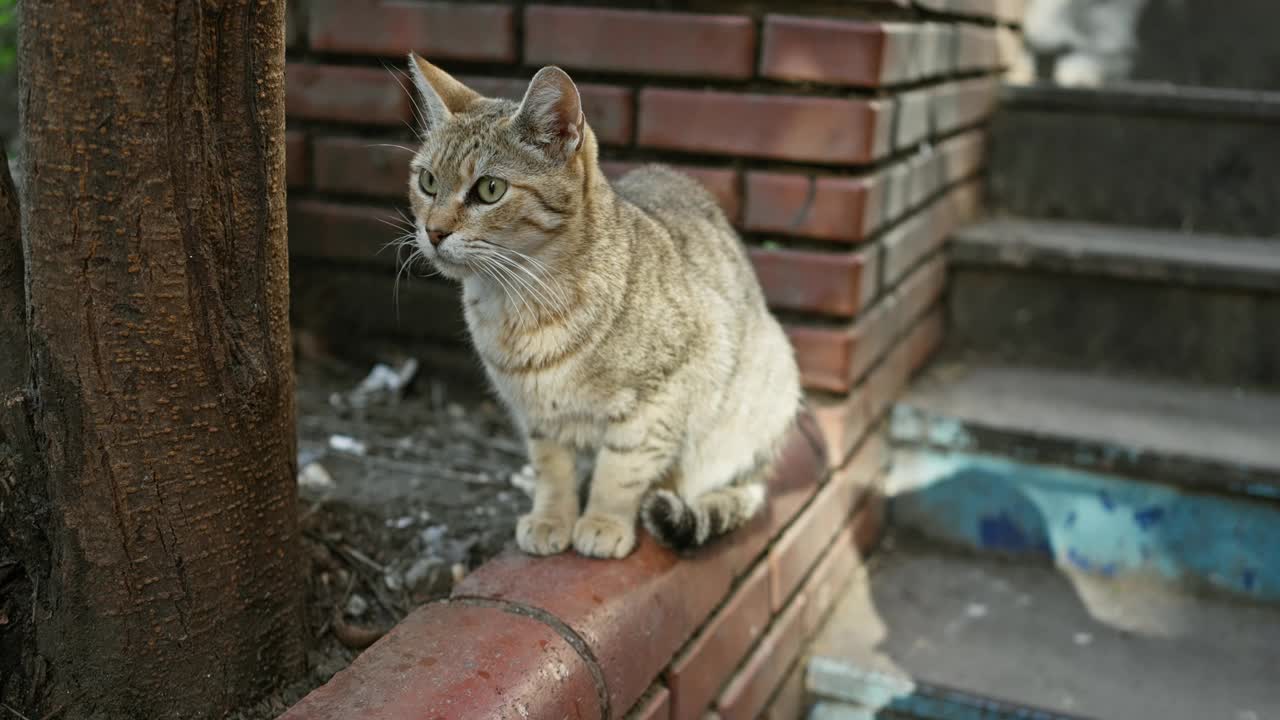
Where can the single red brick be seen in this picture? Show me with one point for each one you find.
(827, 208)
(964, 103)
(356, 95)
(840, 284)
(933, 49)
(791, 701)
(783, 127)
(844, 420)
(640, 41)
(869, 523)
(887, 381)
(918, 292)
(722, 182)
(635, 613)
(325, 230)
(976, 48)
(297, 161)
(962, 156)
(924, 341)
(435, 30)
(912, 122)
(701, 669)
(822, 354)
(800, 546)
(751, 687)
(608, 108)
(829, 577)
(448, 660)
(922, 235)
(361, 166)
(655, 705)
(822, 50)
(908, 242)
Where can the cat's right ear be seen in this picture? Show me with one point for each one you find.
(441, 95)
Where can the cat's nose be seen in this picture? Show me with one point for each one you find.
(437, 236)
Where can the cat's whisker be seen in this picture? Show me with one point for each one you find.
(544, 274)
(558, 299)
(545, 296)
(397, 223)
(489, 269)
(392, 145)
(418, 113)
(509, 277)
(399, 242)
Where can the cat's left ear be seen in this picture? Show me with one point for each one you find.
(550, 116)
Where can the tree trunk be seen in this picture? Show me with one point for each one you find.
(157, 286)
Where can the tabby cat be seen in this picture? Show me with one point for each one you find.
(623, 320)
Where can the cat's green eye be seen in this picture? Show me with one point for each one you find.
(428, 182)
(490, 189)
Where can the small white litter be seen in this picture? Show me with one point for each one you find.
(1083, 638)
(356, 606)
(525, 480)
(347, 444)
(314, 477)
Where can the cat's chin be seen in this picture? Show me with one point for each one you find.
(452, 270)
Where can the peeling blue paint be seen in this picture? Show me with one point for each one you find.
(1147, 518)
(1107, 503)
(1102, 524)
(1001, 532)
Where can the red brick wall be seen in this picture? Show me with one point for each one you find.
(845, 148)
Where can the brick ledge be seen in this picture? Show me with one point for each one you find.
(567, 636)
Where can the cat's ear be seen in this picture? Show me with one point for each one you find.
(550, 116)
(441, 96)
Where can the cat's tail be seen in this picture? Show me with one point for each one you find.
(683, 524)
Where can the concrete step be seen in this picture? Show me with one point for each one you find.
(1119, 478)
(1078, 295)
(1172, 157)
(933, 634)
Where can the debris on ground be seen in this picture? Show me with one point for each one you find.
(406, 484)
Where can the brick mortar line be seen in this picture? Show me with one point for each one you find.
(561, 628)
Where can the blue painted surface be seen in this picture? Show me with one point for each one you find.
(1097, 523)
(866, 694)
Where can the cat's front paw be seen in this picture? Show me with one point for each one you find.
(543, 534)
(604, 536)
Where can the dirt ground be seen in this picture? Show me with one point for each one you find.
(401, 493)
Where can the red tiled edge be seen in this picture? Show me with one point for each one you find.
(754, 684)
(509, 666)
(701, 668)
(656, 705)
(635, 614)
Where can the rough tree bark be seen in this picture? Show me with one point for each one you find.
(157, 294)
